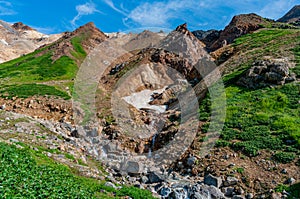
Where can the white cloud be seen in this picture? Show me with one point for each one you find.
(277, 9)
(206, 13)
(45, 30)
(6, 8)
(84, 9)
(160, 13)
(112, 5)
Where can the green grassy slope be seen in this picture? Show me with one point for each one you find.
(268, 118)
(25, 173)
(24, 76)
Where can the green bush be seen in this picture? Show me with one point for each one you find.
(248, 148)
(222, 143)
(284, 157)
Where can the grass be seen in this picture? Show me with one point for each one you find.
(31, 174)
(27, 90)
(34, 68)
(17, 76)
(265, 42)
(284, 157)
(262, 119)
(261, 38)
(79, 53)
(294, 190)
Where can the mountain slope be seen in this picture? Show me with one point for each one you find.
(48, 71)
(291, 16)
(258, 148)
(18, 39)
(261, 118)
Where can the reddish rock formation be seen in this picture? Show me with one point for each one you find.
(239, 25)
(21, 26)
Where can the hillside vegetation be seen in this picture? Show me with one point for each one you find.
(39, 74)
(27, 173)
(266, 118)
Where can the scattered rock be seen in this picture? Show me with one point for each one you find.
(212, 180)
(109, 184)
(3, 107)
(179, 193)
(144, 179)
(276, 196)
(290, 181)
(75, 133)
(191, 160)
(238, 197)
(155, 177)
(249, 196)
(230, 181)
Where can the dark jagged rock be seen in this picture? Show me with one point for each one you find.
(207, 37)
(21, 26)
(292, 16)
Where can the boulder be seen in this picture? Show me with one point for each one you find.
(212, 180)
(191, 161)
(249, 196)
(179, 193)
(228, 191)
(132, 167)
(155, 177)
(267, 72)
(230, 181)
(165, 192)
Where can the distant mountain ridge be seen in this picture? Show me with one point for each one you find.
(239, 25)
(18, 39)
(292, 16)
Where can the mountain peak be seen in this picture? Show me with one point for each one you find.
(183, 29)
(87, 26)
(21, 26)
(240, 25)
(292, 15)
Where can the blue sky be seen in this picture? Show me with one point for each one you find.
(53, 16)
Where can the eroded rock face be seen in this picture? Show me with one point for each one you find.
(267, 72)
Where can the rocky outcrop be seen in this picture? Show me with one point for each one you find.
(239, 25)
(207, 37)
(292, 16)
(21, 26)
(267, 72)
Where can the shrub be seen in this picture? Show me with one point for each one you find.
(284, 157)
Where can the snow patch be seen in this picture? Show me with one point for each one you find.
(141, 100)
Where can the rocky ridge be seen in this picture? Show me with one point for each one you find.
(291, 16)
(19, 39)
